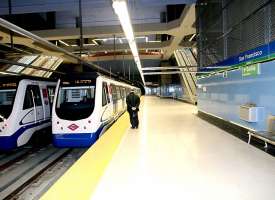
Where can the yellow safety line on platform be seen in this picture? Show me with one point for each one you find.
(80, 181)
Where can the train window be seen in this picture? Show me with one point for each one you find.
(51, 91)
(104, 99)
(106, 91)
(104, 95)
(6, 101)
(114, 95)
(28, 101)
(118, 93)
(36, 95)
(122, 92)
(75, 102)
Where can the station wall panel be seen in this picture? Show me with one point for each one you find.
(222, 95)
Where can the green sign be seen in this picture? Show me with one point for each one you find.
(251, 70)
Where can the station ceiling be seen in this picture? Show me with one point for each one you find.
(161, 27)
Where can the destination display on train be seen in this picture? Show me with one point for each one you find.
(8, 85)
(79, 82)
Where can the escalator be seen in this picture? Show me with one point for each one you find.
(186, 58)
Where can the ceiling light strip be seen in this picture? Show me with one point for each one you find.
(62, 42)
(120, 7)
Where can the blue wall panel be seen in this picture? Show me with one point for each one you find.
(223, 97)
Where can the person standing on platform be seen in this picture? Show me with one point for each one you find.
(133, 102)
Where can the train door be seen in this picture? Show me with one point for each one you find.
(51, 92)
(29, 115)
(106, 103)
(46, 103)
(122, 99)
(123, 95)
(39, 110)
(114, 98)
(119, 100)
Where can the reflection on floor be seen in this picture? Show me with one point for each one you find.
(176, 155)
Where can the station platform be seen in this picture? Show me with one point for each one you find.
(176, 155)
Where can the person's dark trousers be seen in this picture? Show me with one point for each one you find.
(133, 119)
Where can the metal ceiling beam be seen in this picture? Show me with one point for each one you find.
(171, 28)
(21, 7)
(167, 68)
(177, 28)
(34, 37)
(121, 57)
(15, 48)
(43, 42)
(120, 47)
(177, 67)
(175, 72)
(104, 31)
(9, 73)
(184, 27)
(39, 68)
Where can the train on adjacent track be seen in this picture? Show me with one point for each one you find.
(25, 109)
(85, 106)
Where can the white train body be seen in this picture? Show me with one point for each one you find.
(25, 108)
(84, 108)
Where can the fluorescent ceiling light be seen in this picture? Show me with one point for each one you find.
(95, 42)
(92, 44)
(120, 7)
(62, 42)
(152, 41)
(192, 37)
(119, 38)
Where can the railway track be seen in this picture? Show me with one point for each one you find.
(7, 159)
(36, 188)
(21, 170)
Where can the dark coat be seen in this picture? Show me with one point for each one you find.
(132, 100)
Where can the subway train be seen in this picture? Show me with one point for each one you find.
(85, 107)
(25, 109)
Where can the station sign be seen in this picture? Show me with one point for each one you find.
(251, 70)
(262, 53)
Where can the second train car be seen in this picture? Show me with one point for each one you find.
(84, 107)
(25, 109)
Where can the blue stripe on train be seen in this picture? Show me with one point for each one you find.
(76, 139)
(10, 142)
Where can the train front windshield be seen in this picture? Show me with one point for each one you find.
(6, 102)
(75, 102)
